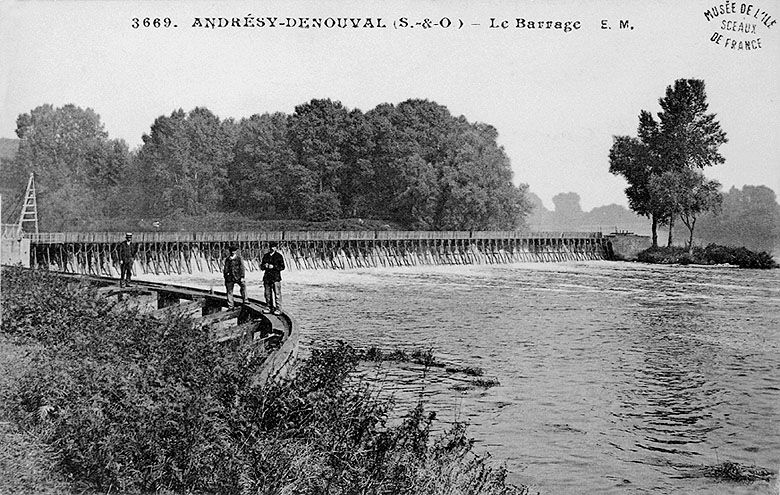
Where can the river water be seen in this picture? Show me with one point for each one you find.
(614, 377)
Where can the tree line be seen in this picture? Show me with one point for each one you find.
(748, 217)
(413, 164)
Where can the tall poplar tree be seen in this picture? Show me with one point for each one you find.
(685, 137)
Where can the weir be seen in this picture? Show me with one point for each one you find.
(94, 253)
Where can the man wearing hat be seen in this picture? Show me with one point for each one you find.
(234, 274)
(273, 263)
(126, 253)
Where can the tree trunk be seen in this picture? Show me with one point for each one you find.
(690, 238)
(654, 228)
(671, 227)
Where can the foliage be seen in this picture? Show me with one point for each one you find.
(567, 203)
(78, 169)
(413, 164)
(264, 179)
(659, 163)
(132, 404)
(569, 216)
(322, 207)
(24, 461)
(710, 255)
(318, 133)
(184, 161)
(749, 217)
(685, 193)
(438, 172)
(637, 162)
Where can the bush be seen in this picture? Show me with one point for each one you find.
(662, 255)
(133, 404)
(128, 403)
(713, 254)
(742, 257)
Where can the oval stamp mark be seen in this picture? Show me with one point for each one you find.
(739, 25)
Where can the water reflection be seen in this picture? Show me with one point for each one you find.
(670, 402)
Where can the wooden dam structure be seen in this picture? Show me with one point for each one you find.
(94, 253)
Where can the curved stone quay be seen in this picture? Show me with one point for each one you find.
(274, 335)
(94, 253)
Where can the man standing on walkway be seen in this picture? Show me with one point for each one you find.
(234, 274)
(126, 252)
(273, 264)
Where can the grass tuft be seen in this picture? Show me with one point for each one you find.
(416, 356)
(734, 471)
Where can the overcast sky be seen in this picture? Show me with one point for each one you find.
(556, 97)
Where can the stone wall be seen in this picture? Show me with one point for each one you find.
(15, 251)
(627, 246)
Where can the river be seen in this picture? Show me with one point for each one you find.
(614, 377)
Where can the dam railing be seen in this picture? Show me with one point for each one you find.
(188, 252)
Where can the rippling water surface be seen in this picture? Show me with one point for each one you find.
(614, 377)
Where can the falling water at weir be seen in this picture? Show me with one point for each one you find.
(167, 253)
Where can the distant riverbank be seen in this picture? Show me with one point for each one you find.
(712, 254)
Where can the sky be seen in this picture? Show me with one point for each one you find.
(556, 98)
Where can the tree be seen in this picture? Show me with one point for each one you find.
(748, 217)
(264, 177)
(476, 182)
(318, 133)
(354, 192)
(689, 137)
(634, 159)
(686, 194)
(185, 159)
(701, 196)
(435, 171)
(78, 168)
(567, 204)
(685, 137)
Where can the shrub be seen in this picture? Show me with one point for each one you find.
(662, 255)
(713, 254)
(742, 257)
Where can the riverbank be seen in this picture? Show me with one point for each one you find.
(115, 401)
(712, 254)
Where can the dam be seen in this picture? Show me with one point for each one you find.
(94, 253)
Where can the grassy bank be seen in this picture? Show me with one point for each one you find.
(110, 400)
(712, 254)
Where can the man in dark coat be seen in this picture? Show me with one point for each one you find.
(126, 251)
(273, 263)
(234, 274)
